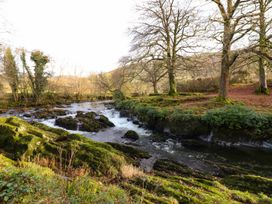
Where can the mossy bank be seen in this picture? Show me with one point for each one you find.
(231, 125)
(39, 164)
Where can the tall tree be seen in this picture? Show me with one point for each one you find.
(11, 72)
(165, 32)
(38, 79)
(233, 19)
(263, 30)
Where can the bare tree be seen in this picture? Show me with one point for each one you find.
(152, 72)
(116, 80)
(165, 32)
(263, 29)
(233, 18)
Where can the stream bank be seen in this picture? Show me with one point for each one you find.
(180, 172)
(193, 153)
(229, 126)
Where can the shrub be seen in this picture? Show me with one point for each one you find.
(237, 117)
(199, 85)
(118, 95)
(182, 116)
(126, 104)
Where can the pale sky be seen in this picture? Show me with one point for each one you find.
(80, 36)
(86, 35)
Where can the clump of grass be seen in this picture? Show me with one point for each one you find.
(87, 190)
(199, 85)
(130, 171)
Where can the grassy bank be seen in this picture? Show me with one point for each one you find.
(39, 164)
(194, 115)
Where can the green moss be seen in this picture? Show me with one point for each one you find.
(68, 123)
(251, 183)
(25, 141)
(49, 129)
(187, 124)
(30, 183)
(164, 168)
(133, 155)
(131, 135)
(230, 123)
(26, 182)
(87, 190)
(5, 162)
(144, 196)
(192, 190)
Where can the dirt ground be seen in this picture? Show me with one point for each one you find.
(247, 95)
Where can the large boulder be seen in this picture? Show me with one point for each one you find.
(92, 122)
(89, 122)
(49, 113)
(68, 123)
(20, 140)
(132, 135)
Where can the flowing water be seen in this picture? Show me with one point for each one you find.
(195, 156)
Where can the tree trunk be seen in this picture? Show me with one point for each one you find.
(155, 88)
(14, 94)
(224, 81)
(225, 62)
(172, 81)
(262, 77)
(262, 43)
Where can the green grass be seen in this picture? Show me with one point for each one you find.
(29, 183)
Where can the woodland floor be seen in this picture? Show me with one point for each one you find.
(247, 95)
(201, 102)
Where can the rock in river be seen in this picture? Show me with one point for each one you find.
(132, 135)
(89, 122)
(49, 113)
(68, 123)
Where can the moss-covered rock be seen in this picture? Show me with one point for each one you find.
(165, 167)
(132, 135)
(187, 125)
(133, 155)
(68, 123)
(49, 113)
(25, 182)
(92, 122)
(20, 140)
(230, 124)
(89, 122)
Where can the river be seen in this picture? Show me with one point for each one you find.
(198, 156)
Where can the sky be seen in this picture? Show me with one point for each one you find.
(80, 36)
